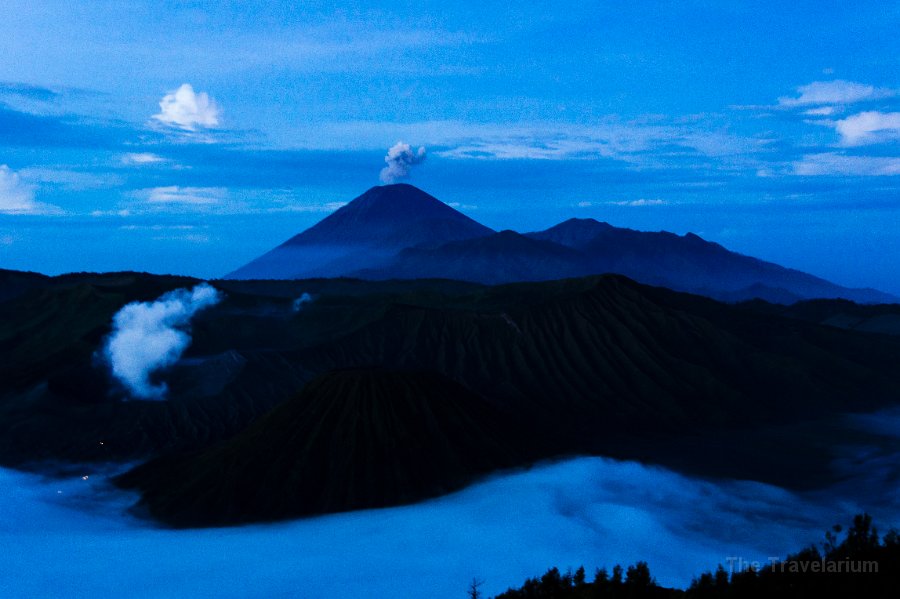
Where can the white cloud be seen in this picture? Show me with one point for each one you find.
(198, 238)
(142, 158)
(630, 203)
(837, 92)
(187, 110)
(641, 202)
(103, 213)
(832, 163)
(868, 127)
(16, 197)
(195, 196)
(821, 111)
(157, 227)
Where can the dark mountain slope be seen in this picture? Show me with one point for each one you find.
(689, 263)
(884, 319)
(368, 230)
(588, 366)
(574, 233)
(597, 365)
(58, 401)
(399, 231)
(58, 325)
(352, 439)
(504, 257)
(606, 353)
(14, 283)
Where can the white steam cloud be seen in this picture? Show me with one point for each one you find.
(301, 301)
(400, 159)
(150, 336)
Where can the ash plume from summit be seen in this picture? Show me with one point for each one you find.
(400, 159)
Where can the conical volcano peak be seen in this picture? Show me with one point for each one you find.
(364, 233)
(397, 201)
(386, 213)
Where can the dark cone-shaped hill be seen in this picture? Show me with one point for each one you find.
(351, 439)
(364, 233)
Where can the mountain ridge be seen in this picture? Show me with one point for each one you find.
(596, 365)
(401, 232)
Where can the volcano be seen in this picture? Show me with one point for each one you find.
(401, 232)
(365, 233)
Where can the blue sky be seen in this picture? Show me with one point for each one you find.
(770, 127)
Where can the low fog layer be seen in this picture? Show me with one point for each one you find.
(75, 536)
(149, 336)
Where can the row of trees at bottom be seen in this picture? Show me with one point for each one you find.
(858, 564)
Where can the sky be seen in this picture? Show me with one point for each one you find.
(189, 137)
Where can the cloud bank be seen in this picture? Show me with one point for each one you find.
(589, 511)
(188, 110)
(400, 159)
(150, 336)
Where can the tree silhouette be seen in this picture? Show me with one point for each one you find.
(859, 564)
(473, 592)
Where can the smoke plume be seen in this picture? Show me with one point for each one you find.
(301, 301)
(400, 159)
(150, 336)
